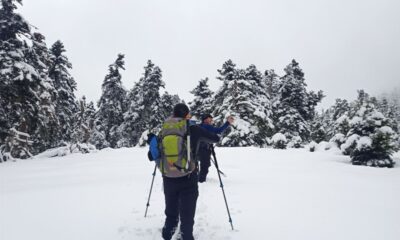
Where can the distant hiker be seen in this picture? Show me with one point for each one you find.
(205, 148)
(180, 170)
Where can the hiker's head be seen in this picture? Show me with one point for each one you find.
(181, 111)
(207, 119)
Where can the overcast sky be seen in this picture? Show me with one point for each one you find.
(342, 45)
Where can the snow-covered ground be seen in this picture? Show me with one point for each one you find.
(273, 194)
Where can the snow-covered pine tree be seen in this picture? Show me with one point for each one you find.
(240, 96)
(203, 99)
(145, 113)
(318, 132)
(97, 134)
(129, 136)
(83, 121)
(370, 141)
(65, 85)
(271, 81)
(262, 115)
(45, 134)
(19, 85)
(362, 98)
(279, 141)
(112, 103)
(294, 107)
(227, 74)
(389, 110)
(337, 118)
(168, 102)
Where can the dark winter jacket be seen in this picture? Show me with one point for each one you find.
(200, 136)
(205, 151)
(213, 129)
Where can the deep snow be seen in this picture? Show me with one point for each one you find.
(273, 194)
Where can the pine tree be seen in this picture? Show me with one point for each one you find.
(168, 102)
(129, 135)
(262, 116)
(271, 81)
(65, 85)
(337, 118)
(370, 141)
(145, 113)
(294, 107)
(82, 129)
(112, 104)
(45, 135)
(318, 132)
(390, 111)
(227, 73)
(19, 85)
(203, 99)
(243, 97)
(279, 141)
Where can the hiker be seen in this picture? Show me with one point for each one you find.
(205, 148)
(181, 183)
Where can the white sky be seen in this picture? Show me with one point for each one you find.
(342, 45)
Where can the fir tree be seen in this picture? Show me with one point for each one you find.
(145, 112)
(318, 132)
(279, 141)
(19, 85)
(83, 124)
(227, 73)
(371, 141)
(271, 81)
(242, 96)
(65, 85)
(112, 104)
(45, 135)
(203, 99)
(294, 107)
(168, 102)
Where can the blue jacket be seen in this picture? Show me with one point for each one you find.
(205, 151)
(213, 129)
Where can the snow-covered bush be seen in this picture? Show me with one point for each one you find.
(323, 146)
(350, 144)
(371, 141)
(279, 141)
(67, 149)
(338, 139)
(295, 142)
(312, 146)
(375, 150)
(81, 148)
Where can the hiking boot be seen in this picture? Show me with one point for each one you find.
(202, 178)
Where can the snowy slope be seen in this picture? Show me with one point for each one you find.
(273, 194)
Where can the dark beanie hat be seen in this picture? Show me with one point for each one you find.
(205, 116)
(181, 110)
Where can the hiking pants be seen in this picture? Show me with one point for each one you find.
(180, 204)
(205, 163)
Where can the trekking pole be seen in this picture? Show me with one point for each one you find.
(223, 174)
(151, 188)
(221, 185)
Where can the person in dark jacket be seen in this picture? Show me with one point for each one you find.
(205, 148)
(181, 193)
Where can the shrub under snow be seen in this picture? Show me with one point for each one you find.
(279, 141)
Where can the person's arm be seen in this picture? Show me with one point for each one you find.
(200, 135)
(216, 130)
(204, 135)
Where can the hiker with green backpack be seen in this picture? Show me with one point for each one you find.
(178, 143)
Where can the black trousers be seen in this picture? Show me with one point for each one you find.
(180, 204)
(205, 163)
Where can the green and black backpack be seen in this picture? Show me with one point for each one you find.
(174, 144)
